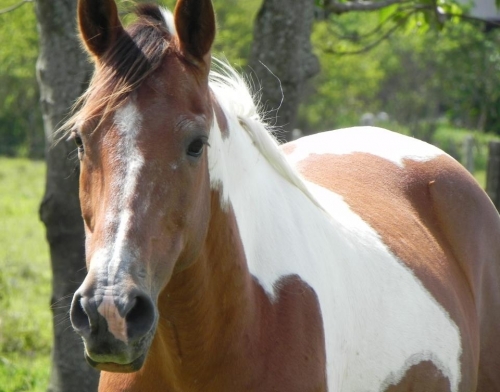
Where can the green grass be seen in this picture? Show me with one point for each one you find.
(25, 317)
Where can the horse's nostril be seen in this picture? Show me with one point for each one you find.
(78, 316)
(140, 318)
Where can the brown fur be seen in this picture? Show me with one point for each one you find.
(220, 332)
(422, 377)
(435, 218)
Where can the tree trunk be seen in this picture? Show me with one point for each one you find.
(282, 50)
(493, 173)
(63, 71)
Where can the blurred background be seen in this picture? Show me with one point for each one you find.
(429, 69)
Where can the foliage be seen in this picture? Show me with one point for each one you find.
(346, 87)
(235, 21)
(473, 78)
(393, 16)
(417, 76)
(21, 131)
(25, 319)
(453, 73)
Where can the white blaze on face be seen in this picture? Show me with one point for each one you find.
(128, 120)
(115, 257)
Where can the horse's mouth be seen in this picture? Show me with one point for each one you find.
(113, 367)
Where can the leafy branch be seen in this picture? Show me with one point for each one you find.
(340, 8)
(394, 14)
(15, 6)
(370, 46)
(361, 36)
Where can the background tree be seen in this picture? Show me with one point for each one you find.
(282, 58)
(20, 114)
(63, 71)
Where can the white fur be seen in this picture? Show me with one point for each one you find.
(169, 20)
(128, 121)
(391, 146)
(117, 253)
(378, 318)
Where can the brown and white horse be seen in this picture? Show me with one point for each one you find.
(354, 260)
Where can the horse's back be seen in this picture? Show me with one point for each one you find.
(433, 217)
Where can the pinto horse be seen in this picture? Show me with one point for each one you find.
(353, 260)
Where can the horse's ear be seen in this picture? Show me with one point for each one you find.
(99, 24)
(195, 25)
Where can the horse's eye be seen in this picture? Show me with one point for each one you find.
(78, 141)
(195, 149)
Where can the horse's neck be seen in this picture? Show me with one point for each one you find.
(220, 330)
(275, 216)
(205, 313)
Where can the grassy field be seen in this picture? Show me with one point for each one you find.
(25, 317)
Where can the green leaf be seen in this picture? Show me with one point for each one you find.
(387, 12)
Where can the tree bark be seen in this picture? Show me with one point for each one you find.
(493, 173)
(282, 51)
(63, 72)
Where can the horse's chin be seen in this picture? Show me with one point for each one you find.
(113, 367)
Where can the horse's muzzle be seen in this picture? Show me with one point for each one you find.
(117, 329)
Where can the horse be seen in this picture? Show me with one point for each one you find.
(219, 260)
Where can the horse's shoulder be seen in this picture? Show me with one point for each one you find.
(426, 207)
(430, 213)
(385, 176)
(402, 186)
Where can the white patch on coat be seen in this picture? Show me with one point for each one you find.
(376, 141)
(377, 315)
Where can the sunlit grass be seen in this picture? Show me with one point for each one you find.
(25, 317)
(24, 373)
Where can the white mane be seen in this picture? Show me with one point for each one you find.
(233, 95)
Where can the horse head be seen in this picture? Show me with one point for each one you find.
(142, 133)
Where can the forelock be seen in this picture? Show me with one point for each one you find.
(136, 54)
